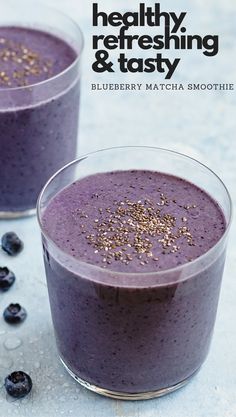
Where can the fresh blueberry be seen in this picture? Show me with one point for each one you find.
(14, 314)
(11, 243)
(18, 384)
(7, 279)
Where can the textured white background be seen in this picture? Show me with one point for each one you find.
(201, 124)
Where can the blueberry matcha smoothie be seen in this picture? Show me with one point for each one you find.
(38, 113)
(122, 327)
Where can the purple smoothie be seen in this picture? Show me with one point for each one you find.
(38, 126)
(120, 330)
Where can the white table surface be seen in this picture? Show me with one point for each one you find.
(201, 124)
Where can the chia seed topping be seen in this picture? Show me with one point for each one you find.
(133, 221)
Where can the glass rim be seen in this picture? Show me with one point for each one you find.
(67, 69)
(108, 271)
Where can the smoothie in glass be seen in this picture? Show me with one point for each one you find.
(134, 323)
(39, 108)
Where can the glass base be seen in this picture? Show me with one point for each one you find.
(128, 396)
(9, 215)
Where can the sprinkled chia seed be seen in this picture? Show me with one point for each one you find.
(130, 225)
(28, 63)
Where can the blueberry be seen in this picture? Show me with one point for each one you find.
(14, 314)
(7, 278)
(11, 243)
(18, 384)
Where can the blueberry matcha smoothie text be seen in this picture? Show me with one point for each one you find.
(117, 330)
(37, 136)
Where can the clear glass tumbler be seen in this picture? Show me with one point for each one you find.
(96, 312)
(38, 122)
